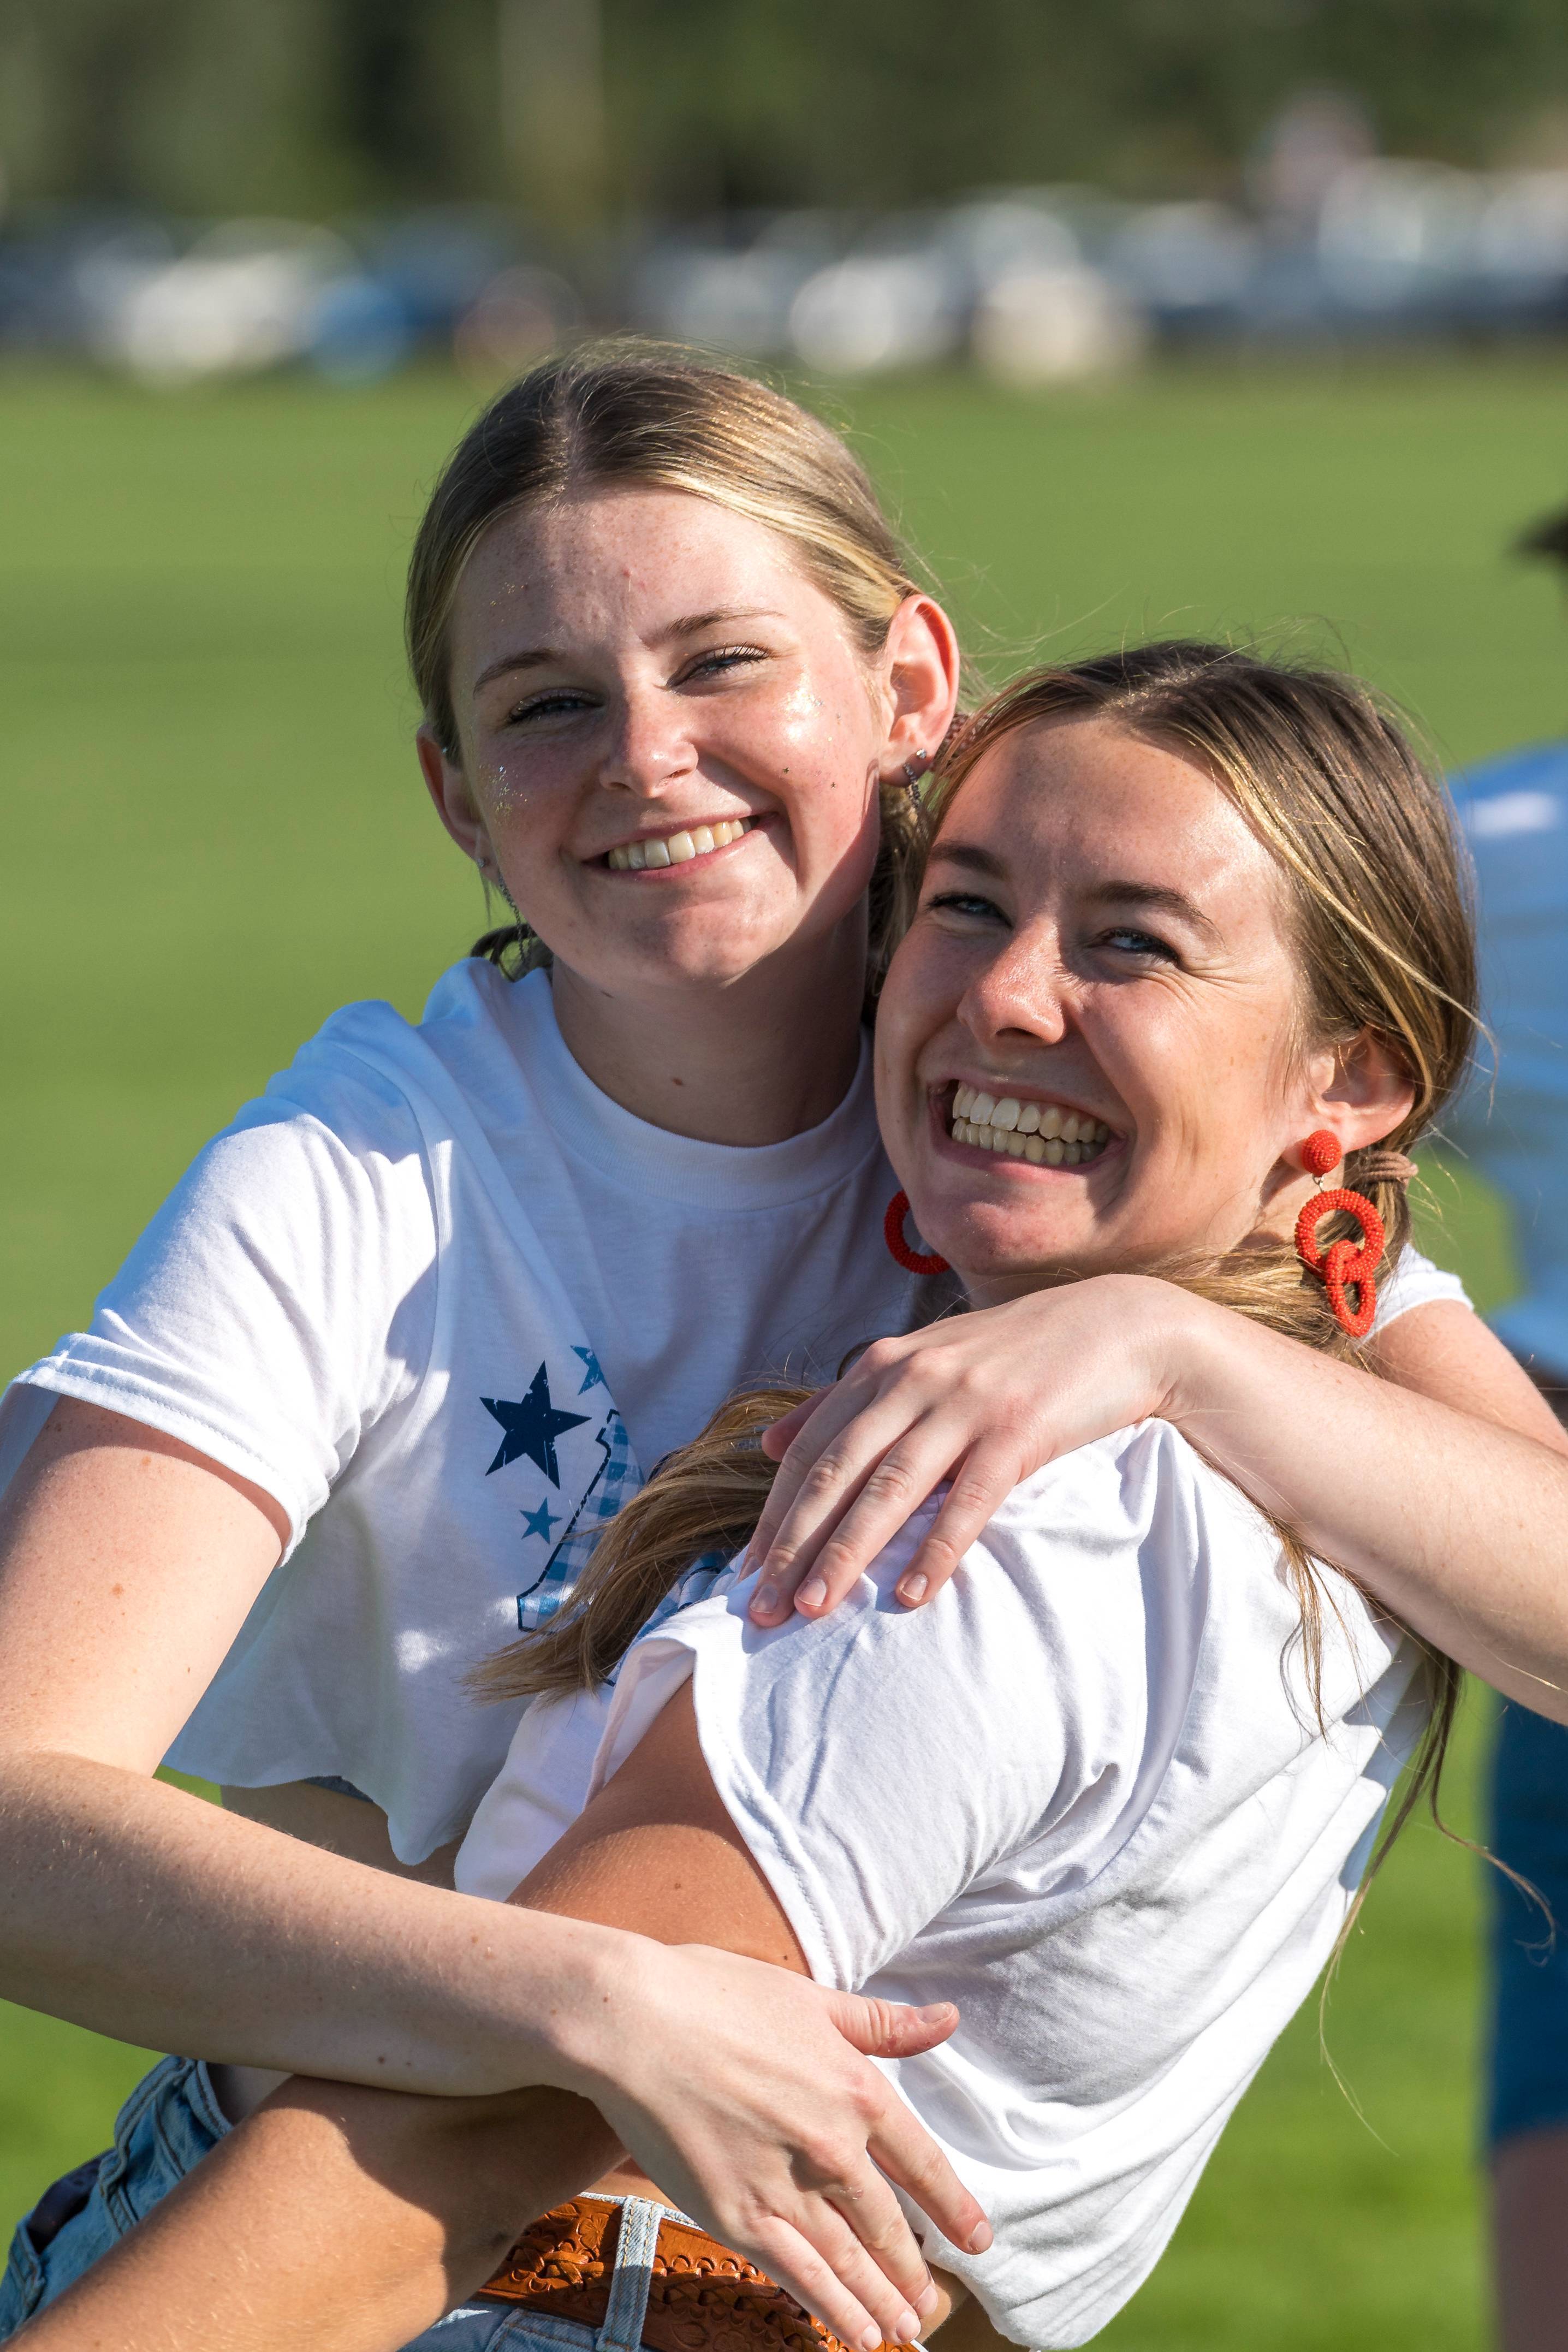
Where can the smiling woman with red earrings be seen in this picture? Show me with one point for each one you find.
(1116, 1790)
(366, 1393)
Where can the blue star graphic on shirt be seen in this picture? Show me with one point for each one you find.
(531, 1426)
(540, 1522)
(593, 1378)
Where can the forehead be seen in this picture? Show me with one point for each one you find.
(1072, 801)
(601, 563)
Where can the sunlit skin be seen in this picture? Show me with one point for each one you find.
(1101, 930)
(628, 664)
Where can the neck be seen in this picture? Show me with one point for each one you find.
(754, 1062)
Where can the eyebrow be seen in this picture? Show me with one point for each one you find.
(690, 624)
(1156, 895)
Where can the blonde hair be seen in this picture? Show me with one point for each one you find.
(632, 413)
(1363, 838)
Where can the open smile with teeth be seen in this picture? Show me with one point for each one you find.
(1040, 1132)
(677, 848)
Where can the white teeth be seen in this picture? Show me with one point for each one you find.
(1045, 1137)
(677, 848)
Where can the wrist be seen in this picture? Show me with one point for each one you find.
(1172, 1336)
(575, 1999)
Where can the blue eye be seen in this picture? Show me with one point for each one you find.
(966, 902)
(1140, 944)
(548, 706)
(724, 658)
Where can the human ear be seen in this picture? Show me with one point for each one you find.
(447, 783)
(1360, 1092)
(920, 666)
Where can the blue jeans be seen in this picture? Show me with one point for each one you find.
(1530, 2022)
(167, 2125)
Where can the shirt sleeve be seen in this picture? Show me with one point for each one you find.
(1416, 1281)
(884, 1765)
(282, 1299)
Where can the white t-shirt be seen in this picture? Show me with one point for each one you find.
(447, 1302)
(1083, 1794)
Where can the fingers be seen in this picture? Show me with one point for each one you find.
(894, 1447)
(836, 1410)
(822, 2265)
(850, 1511)
(779, 1436)
(979, 1487)
(901, 2145)
(890, 2029)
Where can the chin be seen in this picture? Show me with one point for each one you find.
(984, 1242)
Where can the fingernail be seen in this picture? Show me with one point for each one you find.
(909, 2327)
(871, 2339)
(928, 2299)
(812, 1595)
(980, 2242)
(766, 1602)
(913, 1589)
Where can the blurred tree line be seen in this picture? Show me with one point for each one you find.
(586, 108)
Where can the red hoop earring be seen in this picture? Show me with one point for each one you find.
(1343, 1265)
(912, 1261)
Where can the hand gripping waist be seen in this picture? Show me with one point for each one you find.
(699, 2295)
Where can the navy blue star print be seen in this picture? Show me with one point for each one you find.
(532, 1427)
(593, 1378)
(540, 1522)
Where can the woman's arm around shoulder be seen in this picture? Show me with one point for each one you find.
(1442, 1487)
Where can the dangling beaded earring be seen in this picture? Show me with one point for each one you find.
(912, 1261)
(912, 774)
(1341, 1263)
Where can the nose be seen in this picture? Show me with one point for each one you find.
(650, 742)
(1021, 995)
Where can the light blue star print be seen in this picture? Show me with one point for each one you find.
(540, 1522)
(593, 1378)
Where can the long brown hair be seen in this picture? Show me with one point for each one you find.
(1363, 838)
(631, 414)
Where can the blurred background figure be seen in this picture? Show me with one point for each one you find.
(1513, 1126)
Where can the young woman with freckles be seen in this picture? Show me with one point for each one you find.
(361, 1402)
(1116, 1790)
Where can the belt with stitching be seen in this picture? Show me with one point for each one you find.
(701, 2296)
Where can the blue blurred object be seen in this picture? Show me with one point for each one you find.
(360, 330)
(1514, 1128)
(1529, 1962)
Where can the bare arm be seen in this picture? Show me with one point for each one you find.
(1444, 1488)
(127, 1564)
(364, 2215)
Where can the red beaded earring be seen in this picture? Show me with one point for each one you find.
(912, 1261)
(1341, 1263)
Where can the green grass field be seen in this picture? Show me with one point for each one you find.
(214, 832)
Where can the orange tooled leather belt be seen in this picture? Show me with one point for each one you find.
(701, 2296)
